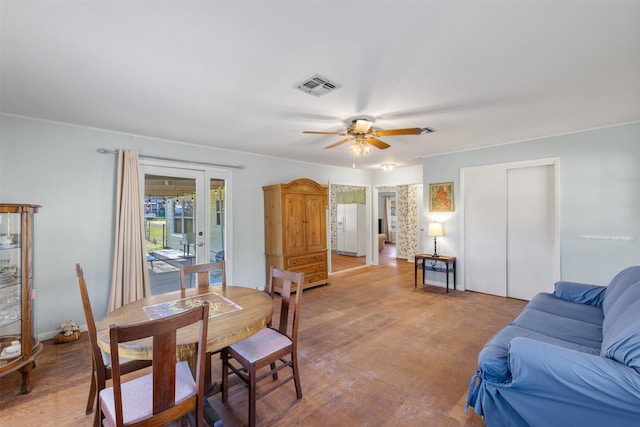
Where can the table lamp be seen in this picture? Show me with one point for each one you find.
(435, 230)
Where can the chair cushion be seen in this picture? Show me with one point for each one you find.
(618, 285)
(261, 344)
(137, 397)
(106, 358)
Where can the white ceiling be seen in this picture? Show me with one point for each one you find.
(221, 73)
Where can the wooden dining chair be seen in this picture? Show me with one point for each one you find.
(170, 391)
(203, 273)
(272, 348)
(101, 361)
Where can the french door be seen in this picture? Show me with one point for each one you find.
(186, 219)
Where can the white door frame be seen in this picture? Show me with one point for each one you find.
(202, 175)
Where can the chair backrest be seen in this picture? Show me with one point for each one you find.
(96, 353)
(163, 331)
(287, 278)
(202, 272)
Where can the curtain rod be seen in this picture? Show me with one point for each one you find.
(105, 151)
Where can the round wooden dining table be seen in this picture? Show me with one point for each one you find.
(236, 312)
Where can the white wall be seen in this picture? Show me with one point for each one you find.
(57, 166)
(599, 196)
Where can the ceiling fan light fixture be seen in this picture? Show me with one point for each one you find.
(360, 148)
(361, 126)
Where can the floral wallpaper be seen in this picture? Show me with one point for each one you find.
(407, 242)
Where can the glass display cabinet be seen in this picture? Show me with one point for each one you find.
(19, 344)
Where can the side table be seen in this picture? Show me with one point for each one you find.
(449, 262)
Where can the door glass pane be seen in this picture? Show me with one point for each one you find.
(170, 235)
(217, 220)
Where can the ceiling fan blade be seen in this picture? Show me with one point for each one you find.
(391, 132)
(377, 143)
(324, 133)
(335, 144)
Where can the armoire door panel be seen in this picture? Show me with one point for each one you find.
(315, 223)
(294, 224)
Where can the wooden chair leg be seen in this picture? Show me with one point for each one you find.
(97, 417)
(296, 377)
(91, 401)
(207, 371)
(252, 396)
(275, 374)
(225, 374)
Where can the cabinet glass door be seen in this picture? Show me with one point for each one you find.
(10, 288)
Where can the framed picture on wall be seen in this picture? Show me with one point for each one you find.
(441, 197)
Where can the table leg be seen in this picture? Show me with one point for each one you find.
(415, 273)
(454, 275)
(447, 265)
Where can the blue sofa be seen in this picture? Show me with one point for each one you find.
(571, 358)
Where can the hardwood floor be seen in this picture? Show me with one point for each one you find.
(387, 256)
(373, 351)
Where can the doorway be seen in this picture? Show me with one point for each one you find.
(186, 220)
(349, 234)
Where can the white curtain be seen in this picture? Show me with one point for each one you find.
(130, 278)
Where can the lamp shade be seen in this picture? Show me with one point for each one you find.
(436, 229)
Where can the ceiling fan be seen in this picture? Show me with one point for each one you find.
(364, 135)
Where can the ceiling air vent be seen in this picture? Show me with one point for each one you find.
(316, 85)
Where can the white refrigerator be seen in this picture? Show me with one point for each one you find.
(351, 238)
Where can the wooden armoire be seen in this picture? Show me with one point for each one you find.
(295, 229)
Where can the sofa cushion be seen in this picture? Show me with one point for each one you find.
(622, 341)
(492, 359)
(580, 292)
(618, 285)
(561, 307)
(561, 327)
(630, 295)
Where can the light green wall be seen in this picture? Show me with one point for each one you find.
(57, 166)
(599, 195)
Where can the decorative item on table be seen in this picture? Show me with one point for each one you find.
(11, 351)
(435, 229)
(70, 332)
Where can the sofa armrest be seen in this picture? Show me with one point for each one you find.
(580, 293)
(561, 380)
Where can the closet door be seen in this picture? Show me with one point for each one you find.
(510, 232)
(530, 231)
(485, 252)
